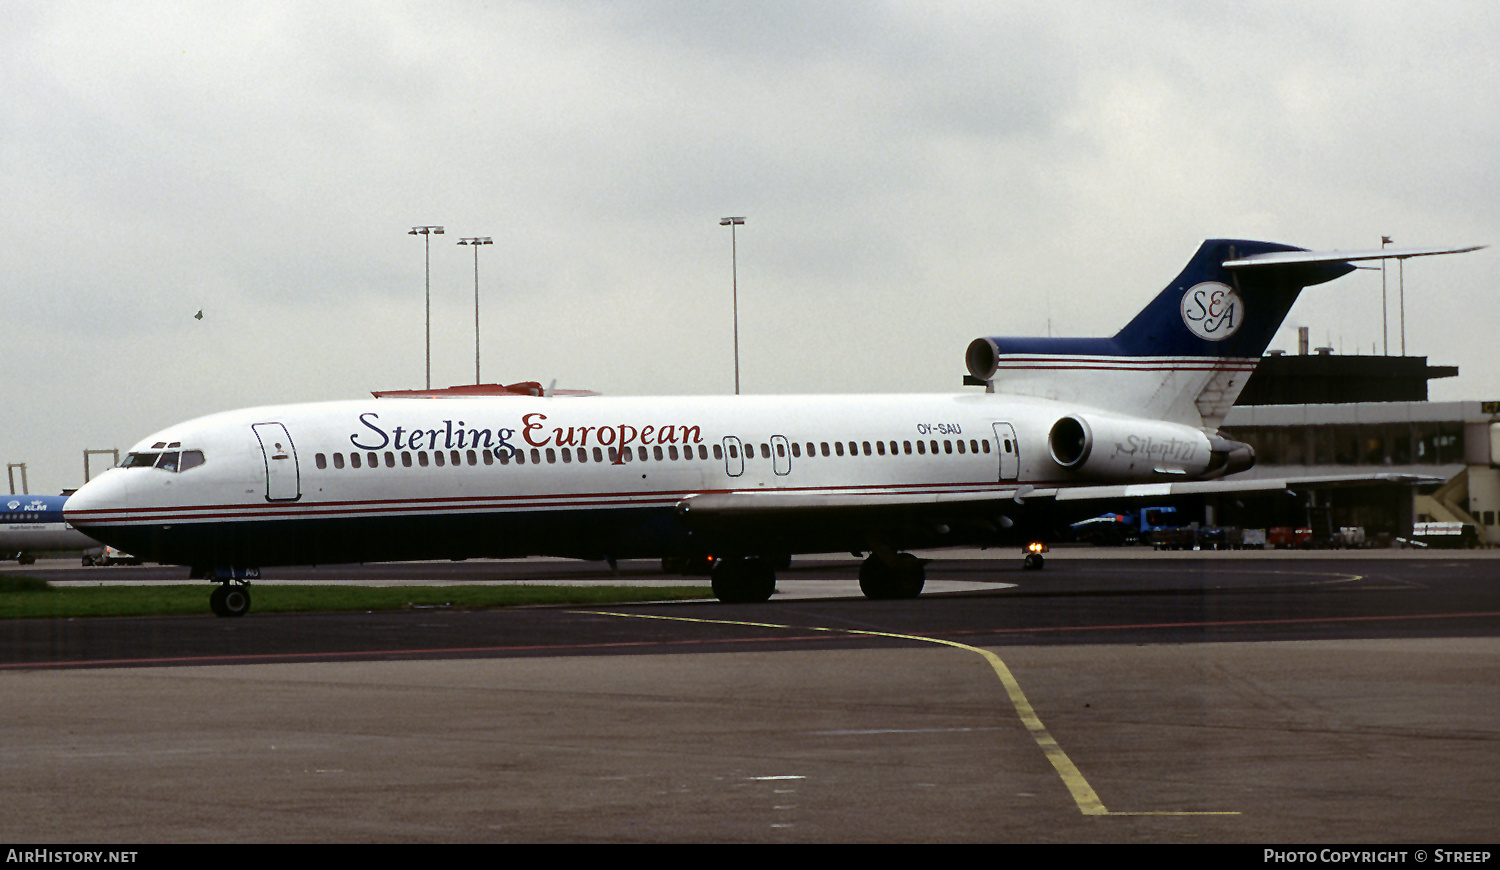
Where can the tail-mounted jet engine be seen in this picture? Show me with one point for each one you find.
(1108, 447)
(982, 358)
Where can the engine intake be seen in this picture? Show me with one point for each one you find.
(1110, 447)
(1070, 442)
(983, 358)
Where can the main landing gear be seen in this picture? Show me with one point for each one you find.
(743, 581)
(901, 575)
(892, 576)
(232, 598)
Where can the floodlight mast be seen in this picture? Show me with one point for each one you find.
(1385, 329)
(427, 233)
(734, 266)
(476, 242)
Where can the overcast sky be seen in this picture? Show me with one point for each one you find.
(913, 175)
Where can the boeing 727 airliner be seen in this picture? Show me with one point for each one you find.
(740, 482)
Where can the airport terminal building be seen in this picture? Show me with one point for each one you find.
(1316, 414)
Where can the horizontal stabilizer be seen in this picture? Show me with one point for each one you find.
(1299, 258)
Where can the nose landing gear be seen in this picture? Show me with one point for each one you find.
(232, 598)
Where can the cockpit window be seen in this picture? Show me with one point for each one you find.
(173, 461)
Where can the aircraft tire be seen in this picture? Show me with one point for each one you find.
(230, 599)
(913, 576)
(1033, 562)
(903, 578)
(743, 581)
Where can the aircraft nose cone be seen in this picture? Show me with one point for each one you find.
(98, 501)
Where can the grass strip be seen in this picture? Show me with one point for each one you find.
(20, 599)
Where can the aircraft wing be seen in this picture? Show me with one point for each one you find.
(760, 504)
(1209, 487)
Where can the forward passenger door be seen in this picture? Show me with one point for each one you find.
(283, 480)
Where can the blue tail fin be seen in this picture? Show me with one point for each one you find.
(1212, 311)
(1186, 355)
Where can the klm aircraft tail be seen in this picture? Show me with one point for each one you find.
(1186, 356)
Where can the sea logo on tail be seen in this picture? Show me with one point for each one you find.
(1212, 311)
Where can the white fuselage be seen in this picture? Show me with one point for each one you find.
(441, 478)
